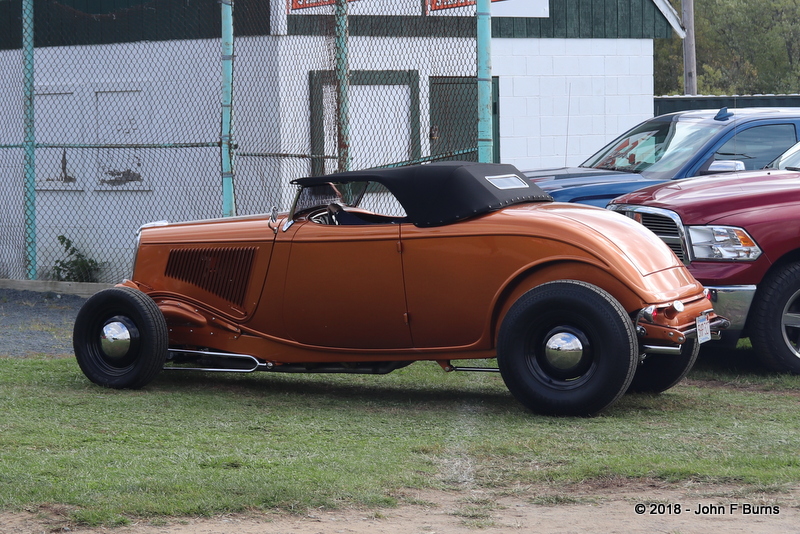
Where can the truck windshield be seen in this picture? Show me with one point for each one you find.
(656, 148)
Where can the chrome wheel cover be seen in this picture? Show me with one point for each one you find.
(563, 350)
(561, 357)
(118, 341)
(115, 340)
(790, 324)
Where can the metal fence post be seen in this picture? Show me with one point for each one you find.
(342, 86)
(484, 52)
(226, 134)
(29, 142)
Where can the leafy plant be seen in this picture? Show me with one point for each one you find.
(76, 267)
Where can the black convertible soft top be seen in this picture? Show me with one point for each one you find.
(441, 193)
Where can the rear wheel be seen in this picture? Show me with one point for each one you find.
(120, 338)
(567, 348)
(659, 372)
(774, 320)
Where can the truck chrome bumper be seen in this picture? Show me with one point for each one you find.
(733, 303)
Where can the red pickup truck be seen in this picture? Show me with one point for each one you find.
(740, 237)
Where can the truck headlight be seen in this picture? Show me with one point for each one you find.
(722, 243)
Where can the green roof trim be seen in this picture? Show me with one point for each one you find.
(591, 19)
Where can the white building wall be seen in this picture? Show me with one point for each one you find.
(561, 100)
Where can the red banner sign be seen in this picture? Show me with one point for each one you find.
(435, 5)
(303, 4)
(447, 4)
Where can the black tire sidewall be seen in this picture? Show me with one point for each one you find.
(660, 372)
(151, 351)
(765, 319)
(590, 310)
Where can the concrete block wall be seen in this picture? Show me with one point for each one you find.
(561, 100)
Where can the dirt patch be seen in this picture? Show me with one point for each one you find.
(606, 507)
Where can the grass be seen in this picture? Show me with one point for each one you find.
(205, 444)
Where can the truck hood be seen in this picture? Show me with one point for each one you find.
(587, 185)
(707, 199)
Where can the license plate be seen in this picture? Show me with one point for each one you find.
(703, 329)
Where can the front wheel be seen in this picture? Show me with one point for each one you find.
(774, 320)
(659, 372)
(120, 338)
(567, 348)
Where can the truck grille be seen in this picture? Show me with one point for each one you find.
(660, 225)
(664, 223)
(223, 271)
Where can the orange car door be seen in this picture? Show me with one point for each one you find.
(344, 287)
(452, 279)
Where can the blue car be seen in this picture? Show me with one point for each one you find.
(673, 146)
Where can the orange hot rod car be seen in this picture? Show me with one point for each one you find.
(373, 270)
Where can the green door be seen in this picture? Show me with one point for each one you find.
(454, 118)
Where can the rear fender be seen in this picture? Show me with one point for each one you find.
(562, 270)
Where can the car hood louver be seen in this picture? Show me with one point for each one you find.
(222, 271)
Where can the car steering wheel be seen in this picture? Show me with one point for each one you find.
(333, 210)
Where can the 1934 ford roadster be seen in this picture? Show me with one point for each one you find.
(373, 270)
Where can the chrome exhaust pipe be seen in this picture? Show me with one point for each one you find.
(656, 349)
(253, 363)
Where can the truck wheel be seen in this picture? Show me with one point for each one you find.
(120, 338)
(567, 348)
(774, 320)
(659, 372)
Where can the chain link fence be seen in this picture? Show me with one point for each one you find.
(115, 113)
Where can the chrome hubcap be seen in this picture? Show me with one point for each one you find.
(563, 350)
(790, 321)
(564, 354)
(115, 339)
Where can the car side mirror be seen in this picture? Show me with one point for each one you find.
(724, 165)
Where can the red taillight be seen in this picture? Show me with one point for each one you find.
(649, 314)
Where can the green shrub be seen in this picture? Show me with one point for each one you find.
(76, 267)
